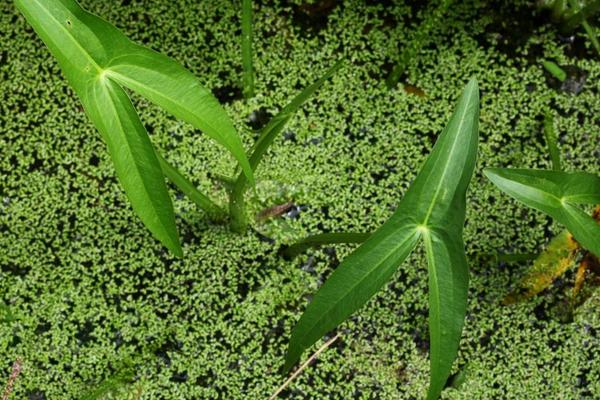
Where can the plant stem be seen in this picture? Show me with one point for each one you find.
(303, 366)
(592, 35)
(16, 370)
(323, 239)
(248, 77)
(582, 14)
(237, 205)
(551, 141)
(188, 188)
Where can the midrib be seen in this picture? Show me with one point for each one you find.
(72, 39)
(445, 170)
(130, 151)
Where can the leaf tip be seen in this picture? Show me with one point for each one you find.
(491, 173)
(290, 360)
(473, 86)
(175, 248)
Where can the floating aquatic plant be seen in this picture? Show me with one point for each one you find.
(248, 75)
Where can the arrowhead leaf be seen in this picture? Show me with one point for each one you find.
(434, 209)
(557, 194)
(95, 58)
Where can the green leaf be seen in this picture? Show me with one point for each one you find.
(83, 45)
(167, 84)
(133, 156)
(448, 286)
(95, 58)
(556, 194)
(278, 122)
(354, 282)
(433, 208)
(551, 141)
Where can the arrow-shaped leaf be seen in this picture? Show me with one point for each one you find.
(434, 209)
(556, 194)
(95, 57)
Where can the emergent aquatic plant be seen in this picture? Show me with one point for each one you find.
(557, 194)
(572, 13)
(237, 208)
(98, 61)
(433, 209)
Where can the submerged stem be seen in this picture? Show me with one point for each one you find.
(323, 239)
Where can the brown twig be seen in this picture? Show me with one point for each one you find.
(274, 211)
(16, 370)
(303, 366)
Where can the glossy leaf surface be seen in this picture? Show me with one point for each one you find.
(134, 159)
(432, 209)
(167, 84)
(96, 58)
(556, 194)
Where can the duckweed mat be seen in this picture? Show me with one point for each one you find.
(96, 308)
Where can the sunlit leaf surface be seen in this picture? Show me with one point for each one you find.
(433, 209)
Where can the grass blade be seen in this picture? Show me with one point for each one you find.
(268, 134)
(433, 208)
(550, 135)
(248, 77)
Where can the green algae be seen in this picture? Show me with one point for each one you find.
(88, 288)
